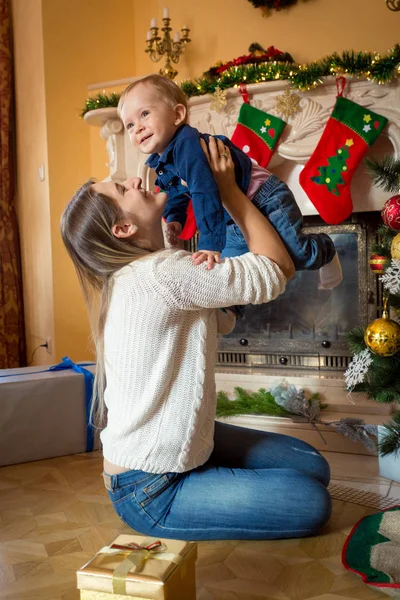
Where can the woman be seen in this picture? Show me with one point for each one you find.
(169, 469)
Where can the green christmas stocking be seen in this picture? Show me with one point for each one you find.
(346, 138)
(257, 133)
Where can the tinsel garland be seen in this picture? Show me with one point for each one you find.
(380, 69)
(369, 65)
(101, 101)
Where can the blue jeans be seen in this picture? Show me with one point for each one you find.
(255, 485)
(276, 202)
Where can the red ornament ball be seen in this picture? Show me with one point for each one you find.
(377, 263)
(391, 212)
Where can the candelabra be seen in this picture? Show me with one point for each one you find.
(157, 47)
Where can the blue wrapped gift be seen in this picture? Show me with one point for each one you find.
(44, 412)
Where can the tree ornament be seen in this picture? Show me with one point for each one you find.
(382, 336)
(326, 178)
(257, 133)
(377, 263)
(358, 368)
(391, 278)
(288, 103)
(218, 100)
(395, 247)
(391, 212)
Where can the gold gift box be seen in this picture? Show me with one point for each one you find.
(163, 571)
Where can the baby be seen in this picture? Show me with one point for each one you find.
(154, 113)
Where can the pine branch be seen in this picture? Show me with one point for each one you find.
(248, 403)
(390, 442)
(355, 340)
(384, 173)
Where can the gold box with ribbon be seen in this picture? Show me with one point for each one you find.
(136, 567)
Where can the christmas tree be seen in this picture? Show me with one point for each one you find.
(331, 175)
(375, 367)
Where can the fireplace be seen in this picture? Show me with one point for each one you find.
(305, 327)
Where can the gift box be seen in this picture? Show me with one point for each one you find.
(137, 567)
(45, 412)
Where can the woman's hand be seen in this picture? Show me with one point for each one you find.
(221, 163)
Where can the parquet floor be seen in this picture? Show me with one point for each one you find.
(55, 514)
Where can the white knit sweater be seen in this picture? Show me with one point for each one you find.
(160, 347)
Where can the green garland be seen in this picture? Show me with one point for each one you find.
(101, 101)
(380, 69)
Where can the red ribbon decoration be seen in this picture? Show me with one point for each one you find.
(244, 93)
(135, 546)
(251, 58)
(340, 83)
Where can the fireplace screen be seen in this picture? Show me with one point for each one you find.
(305, 312)
(307, 326)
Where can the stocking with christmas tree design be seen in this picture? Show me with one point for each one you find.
(326, 178)
(257, 133)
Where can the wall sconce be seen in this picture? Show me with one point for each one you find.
(171, 49)
(393, 4)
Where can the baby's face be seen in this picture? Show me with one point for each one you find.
(150, 122)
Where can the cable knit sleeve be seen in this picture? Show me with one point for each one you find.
(247, 279)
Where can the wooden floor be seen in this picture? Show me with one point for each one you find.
(55, 514)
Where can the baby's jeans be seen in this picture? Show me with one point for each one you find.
(256, 485)
(276, 202)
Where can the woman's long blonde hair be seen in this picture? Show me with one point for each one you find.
(86, 230)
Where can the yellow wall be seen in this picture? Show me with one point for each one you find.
(224, 29)
(61, 46)
(69, 44)
(33, 200)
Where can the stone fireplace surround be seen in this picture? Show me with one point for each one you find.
(261, 364)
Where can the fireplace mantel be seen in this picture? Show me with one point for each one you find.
(298, 141)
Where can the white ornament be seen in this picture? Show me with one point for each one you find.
(263, 129)
(358, 368)
(367, 128)
(391, 278)
(246, 149)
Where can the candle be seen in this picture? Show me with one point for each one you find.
(166, 13)
(149, 36)
(177, 37)
(153, 23)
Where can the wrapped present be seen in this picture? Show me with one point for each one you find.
(45, 412)
(137, 567)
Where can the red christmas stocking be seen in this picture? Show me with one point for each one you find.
(346, 138)
(257, 133)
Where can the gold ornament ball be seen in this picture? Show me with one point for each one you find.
(395, 247)
(382, 336)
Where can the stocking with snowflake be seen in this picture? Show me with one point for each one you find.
(326, 178)
(257, 133)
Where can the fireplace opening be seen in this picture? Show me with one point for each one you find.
(306, 327)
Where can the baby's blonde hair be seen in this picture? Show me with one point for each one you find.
(167, 91)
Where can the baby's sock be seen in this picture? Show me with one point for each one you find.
(330, 275)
